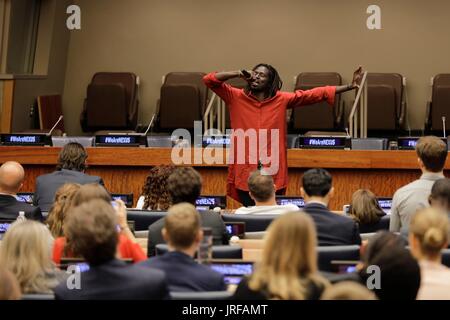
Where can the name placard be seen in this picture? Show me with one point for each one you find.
(211, 201)
(25, 139)
(216, 141)
(323, 143)
(119, 140)
(409, 143)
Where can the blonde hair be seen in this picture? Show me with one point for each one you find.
(348, 290)
(63, 201)
(364, 208)
(289, 259)
(9, 288)
(182, 224)
(430, 227)
(26, 252)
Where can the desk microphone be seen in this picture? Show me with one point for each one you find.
(346, 130)
(150, 124)
(53, 128)
(443, 127)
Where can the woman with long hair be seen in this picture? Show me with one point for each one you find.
(288, 269)
(154, 193)
(25, 251)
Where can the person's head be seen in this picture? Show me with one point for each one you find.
(440, 195)
(399, 273)
(348, 290)
(289, 258)
(9, 287)
(89, 192)
(182, 227)
(57, 214)
(156, 195)
(11, 177)
(184, 185)
(92, 229)
(261, 187)
(72, 157)
(317, 184)
(428, 234)
(266, 79)
(432, 153)
(365, 208)
(26, 251)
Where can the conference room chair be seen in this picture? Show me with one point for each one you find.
(253, 223)
(319, 116)
(383, 224)
(38, 296)
(144, 218)
(205, 295)
(218, 252)
(111, 102)
(326, 255)
(386, 105)
(439, 106)
(182, 101)
(446, 257)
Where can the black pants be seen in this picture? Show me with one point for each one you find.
(246, 201)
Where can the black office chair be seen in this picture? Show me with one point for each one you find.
(446, 257)
(207, 295)
(218, 252)
(38, 296)
(383, 224)
(253, 223)
(144, 218)
(336, 253)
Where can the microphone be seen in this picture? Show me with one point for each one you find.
(346, 130)
(53, 128)
(443, 127)
(150, 124)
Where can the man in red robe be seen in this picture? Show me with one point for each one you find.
(259, 110)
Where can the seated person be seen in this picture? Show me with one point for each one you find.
(399, 273)
(262, 191)
(154, 193)
(428, 235)
(128, 248)
(440, 195)
(12, 176)
(94, 225)
(365, 210)
(288, 268)
(432, 153)
(332, 229)
(70, 168)
(183, 234)
(185, 185)
(25, 251)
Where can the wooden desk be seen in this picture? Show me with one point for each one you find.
(124, 169)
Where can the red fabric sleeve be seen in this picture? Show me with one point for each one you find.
(58, 248)
(222, 89)
(130, 250)
(305, 97)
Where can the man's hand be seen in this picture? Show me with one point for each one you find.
(357, 77)
(247, 75)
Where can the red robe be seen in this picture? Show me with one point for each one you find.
(246, 112)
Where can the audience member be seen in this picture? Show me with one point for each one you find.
(332, 229)
(57, 214)
(398, 276)
(428, 235)
(154, 193)
(440, 195)
(432, 153)
(12, 176)
(348, 290)
(26, 252)
(183, 233)
(127, 246)
(262, 192)
(185, 185)
(94, 225)
(288, 268)
(70, 168)
(9, 287)
(365, 210)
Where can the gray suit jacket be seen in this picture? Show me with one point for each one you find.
(48, 184)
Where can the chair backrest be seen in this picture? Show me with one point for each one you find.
(383, 224)
(111, 102)
(318, 116)
(50, 108)
(253, 223)
(333, 253)
(440, 101)
(394, 80)
(144, 218)
(446, 257)
(204, 295)
(38, 296)
(381, 104)
(218, 252)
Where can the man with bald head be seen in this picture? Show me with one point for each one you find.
(11, 181)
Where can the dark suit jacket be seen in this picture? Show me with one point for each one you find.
(185, 274)
(10, 207)
(115, 280)
(332, 229)
(210, 219)
(48, 184)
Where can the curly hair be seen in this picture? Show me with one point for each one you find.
(184, 185)
(156, 195)
(57, 214)
(72, 157)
